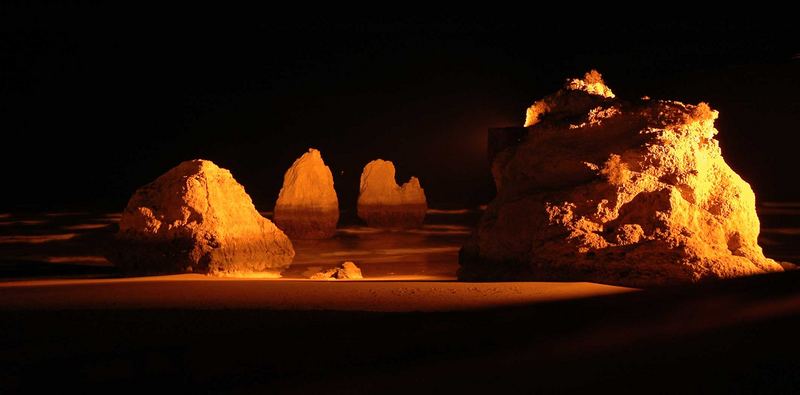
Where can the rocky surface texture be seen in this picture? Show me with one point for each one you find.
(346, 271)
(599, 189)
(197, 218)
(384, 204)
(307, 206)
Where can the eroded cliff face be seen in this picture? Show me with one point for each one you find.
(383, 203)
(307, 206)
(632, 193)
(197, 218)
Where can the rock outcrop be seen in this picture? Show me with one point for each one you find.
(346, 271)
(599, 189)
(197, 218)
(307, 206)
(384, 204)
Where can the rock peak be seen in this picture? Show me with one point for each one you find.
(577, 96)
(314, 153)
(592, 83)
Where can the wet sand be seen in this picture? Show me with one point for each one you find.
(201, 292)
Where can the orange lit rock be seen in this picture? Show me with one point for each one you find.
(576, 93)
(307, 206)
(197, 218)
(382, 203)
(630, 193)
(346, 271)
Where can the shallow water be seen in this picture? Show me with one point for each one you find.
(71, 244)
(431, 251)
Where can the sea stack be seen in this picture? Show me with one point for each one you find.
(384, 204)
(634, 193)
(197, 218)
(307, 206)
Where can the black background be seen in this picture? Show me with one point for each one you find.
(96, 102)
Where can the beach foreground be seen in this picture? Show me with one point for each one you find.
(70, 321)
(245, 336)
(194, 291)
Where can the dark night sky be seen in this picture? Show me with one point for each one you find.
(96, 103)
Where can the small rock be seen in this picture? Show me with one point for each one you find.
(347, 271)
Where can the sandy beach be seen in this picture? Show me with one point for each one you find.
(400, 294)
(409, 326)
(245, 336)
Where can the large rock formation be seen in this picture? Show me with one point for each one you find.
(599, 189)
(307, 206)
(384, 204)
(197, 218)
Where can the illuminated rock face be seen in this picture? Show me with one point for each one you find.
(197, 218)
(630, 193)
(384, 204)
(307, 206)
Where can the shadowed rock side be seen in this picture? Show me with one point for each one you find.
(307, 206)
(384, 204)
(630, 193)
(197, 218)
